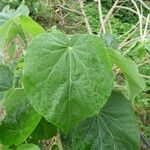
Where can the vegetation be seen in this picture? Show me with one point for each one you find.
(74, 75)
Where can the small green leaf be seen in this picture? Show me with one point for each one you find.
(8, 14)
(135, 83)
(65, 75)
(114, 128)
(110, 40)
(21, 119)
(3, 18)
(28, 147)
(6, 9)
(44, 131)
(22, 10)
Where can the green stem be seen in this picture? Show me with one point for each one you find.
(60, 147)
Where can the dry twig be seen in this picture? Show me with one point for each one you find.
(110, 13)
(85, 17)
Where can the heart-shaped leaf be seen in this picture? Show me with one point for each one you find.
(67, 78)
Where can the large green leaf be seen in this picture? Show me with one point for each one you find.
(66, 78)
(21, 119)
(28, 147)
(29, 26)
(135, 83)
(18, 26)
(6, 80)
(114, 128)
